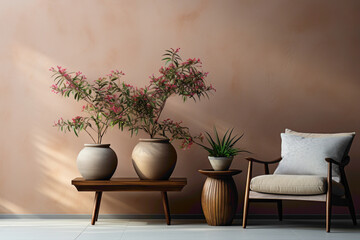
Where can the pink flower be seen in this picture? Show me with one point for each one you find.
(55, 88)
(58, 122)
(76, 119)
(116, 109)
(61, 70)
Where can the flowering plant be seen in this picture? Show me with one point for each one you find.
(104, 102)
(177, 77)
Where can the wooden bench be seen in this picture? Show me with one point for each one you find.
(129, 184)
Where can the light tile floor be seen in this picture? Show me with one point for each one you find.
(121, 229)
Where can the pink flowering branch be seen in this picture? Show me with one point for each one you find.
(177, 78)
(104, 101)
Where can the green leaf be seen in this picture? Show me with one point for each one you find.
(75, 131)
(210, 140)
(233, 143)
(217, 136)
(223, 142)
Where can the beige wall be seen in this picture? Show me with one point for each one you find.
(275, 64)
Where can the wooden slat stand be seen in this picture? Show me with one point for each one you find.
(219, 198)
(129, 184)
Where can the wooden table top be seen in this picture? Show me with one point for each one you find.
(219, 174)
(129, 184)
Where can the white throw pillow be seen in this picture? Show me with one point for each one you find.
(352, 134)
(306, 155)
(289, 131)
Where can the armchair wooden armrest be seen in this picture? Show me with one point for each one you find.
(340, 164)
(266, 163)
(263, 162)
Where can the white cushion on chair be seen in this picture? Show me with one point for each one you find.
(293, 185)
(306, 155)
(316, 135)
(289, 131)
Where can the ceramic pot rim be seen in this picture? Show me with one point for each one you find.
(156, 140)
(106, 145)
(220, 158)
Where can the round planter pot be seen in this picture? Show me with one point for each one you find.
(97, 162)
(220, 163)
(154, 159)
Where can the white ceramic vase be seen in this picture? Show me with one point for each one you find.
(220, 163)
(154, 159)
(97, 162)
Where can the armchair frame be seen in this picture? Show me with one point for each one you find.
(328, 197)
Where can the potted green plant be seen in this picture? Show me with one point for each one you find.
(155, 157)
(222, 150)
(104, 106)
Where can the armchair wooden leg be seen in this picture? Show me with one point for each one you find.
(348, 197)
(350, 206)
(329, 198)
(246, 209)
(246, 199)
(328, 213)
(352, 211)
(279, 208)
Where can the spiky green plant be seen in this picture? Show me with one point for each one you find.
(225, 146)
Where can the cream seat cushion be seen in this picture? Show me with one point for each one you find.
(293, 185)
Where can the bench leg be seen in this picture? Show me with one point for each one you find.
(166, 207)
(97, 201)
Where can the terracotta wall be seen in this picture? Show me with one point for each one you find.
(275, 64)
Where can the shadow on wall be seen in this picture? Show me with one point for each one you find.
(44, 170)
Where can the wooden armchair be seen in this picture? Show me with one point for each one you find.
(327, 196)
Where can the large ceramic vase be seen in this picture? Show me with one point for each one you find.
(220, 163)
(154, 159)
(97, 162)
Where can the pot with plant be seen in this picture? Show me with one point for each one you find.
(104, 107)
(154, 158)
(222, 151)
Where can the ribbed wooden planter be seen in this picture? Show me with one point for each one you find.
(219, 198)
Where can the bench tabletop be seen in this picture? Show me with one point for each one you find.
(129, 184)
